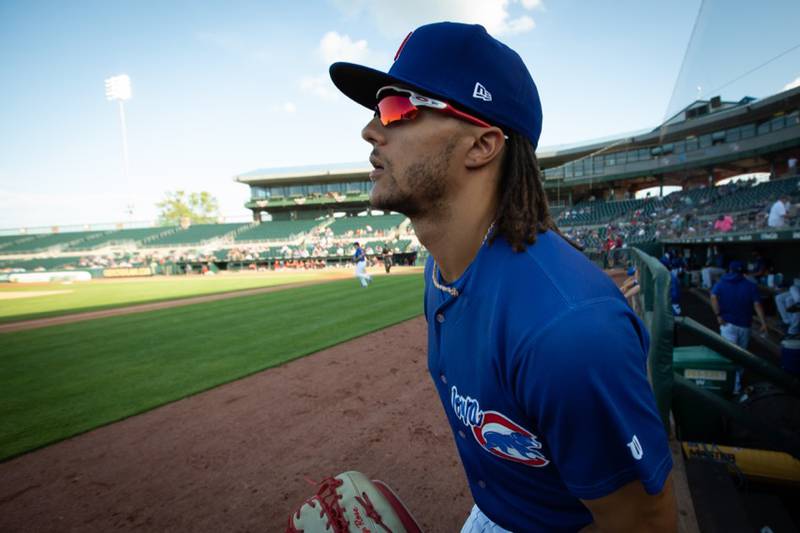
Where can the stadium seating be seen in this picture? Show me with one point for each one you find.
(365, 224)
(194, 235)
(597, 212)
(49, 263)
(38, 243)
(7, 240)
(681, 214)
(401, 245)
(753, 197)
(282, 229)
(125, 236)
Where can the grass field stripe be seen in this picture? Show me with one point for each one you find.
(109, 294)
(146, 307)
(59, 381)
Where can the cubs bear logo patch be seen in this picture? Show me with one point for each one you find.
(502, 437)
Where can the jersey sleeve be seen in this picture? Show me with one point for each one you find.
(586, 391)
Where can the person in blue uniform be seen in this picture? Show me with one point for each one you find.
(538, 360)
(733, 299)
(360, 259)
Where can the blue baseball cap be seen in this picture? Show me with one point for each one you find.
(461, 64)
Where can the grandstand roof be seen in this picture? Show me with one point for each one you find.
(307, 174)
(687, 121)
(699, 117)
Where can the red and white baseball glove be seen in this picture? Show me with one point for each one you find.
(350, 503)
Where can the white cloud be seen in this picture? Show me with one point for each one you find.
(320, 86)
(519, 25)
(792, 84)
(335, 47)
(396, 19)
(532, 4)
(289, 107)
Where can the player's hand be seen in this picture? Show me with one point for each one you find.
(763, 329)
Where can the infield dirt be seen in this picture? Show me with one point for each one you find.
(236, 458)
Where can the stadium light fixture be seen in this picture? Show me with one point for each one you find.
(119, 88)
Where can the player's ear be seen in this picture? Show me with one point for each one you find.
(487, 145)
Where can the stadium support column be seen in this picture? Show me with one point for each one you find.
(661, 185)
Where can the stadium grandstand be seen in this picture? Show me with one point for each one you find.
(594, 190)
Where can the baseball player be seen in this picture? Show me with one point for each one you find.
(537, 358)
(360, 259)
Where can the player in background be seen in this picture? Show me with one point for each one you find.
(386, 255)
(360, 259)
(733, 299)
(539, 362)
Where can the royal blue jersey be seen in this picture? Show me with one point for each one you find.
(736, 295)
(540, 365)
(359, 255)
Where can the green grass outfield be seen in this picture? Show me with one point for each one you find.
(59, 381)
(105, 294)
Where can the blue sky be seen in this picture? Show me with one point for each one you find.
(222, 88)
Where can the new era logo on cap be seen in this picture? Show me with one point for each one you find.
(480, 92)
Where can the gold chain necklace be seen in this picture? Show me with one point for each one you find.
(452, 291)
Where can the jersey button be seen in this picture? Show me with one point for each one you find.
(482, 484)
(443, 378)
(439, 318)
(462, 434)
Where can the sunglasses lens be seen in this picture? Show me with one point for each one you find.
(395, 108)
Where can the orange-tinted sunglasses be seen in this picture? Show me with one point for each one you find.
(405, 106)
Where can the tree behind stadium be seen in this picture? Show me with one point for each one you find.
(181, 209)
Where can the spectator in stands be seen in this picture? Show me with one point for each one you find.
(724, 223)
(792, 165)
(778, 212)
(788, 304)
(608, 247)
(733, 300)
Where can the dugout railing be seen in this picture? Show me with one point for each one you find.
(652, 304)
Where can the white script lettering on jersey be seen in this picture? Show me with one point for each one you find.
(465, 408)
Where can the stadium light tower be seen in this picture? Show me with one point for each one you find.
(119, 88)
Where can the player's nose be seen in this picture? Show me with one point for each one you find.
(373, 132)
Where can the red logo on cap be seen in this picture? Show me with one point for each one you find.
(402, 45)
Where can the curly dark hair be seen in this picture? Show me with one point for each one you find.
(522, 211)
